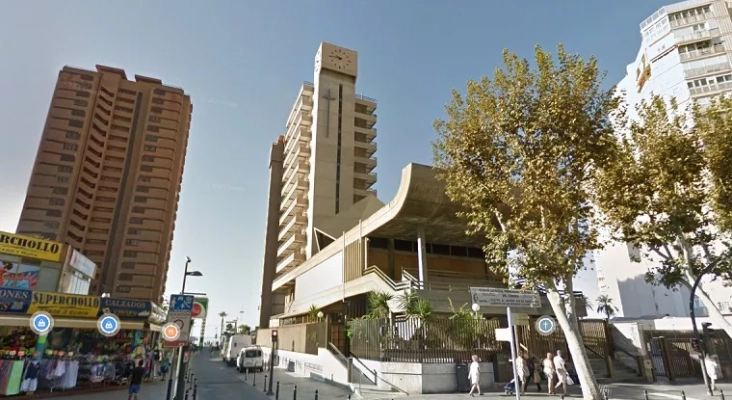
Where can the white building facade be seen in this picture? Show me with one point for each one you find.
(686, 53)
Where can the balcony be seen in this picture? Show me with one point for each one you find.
(290, 244)
(294, 184)
(296, 206)
(370, 163)
(702, 53)
(710, 89)
(296, 224)
(370, 179)
(369, 101)
(679, 22)
(290, 262)
(299, 167)
(364, 192)
(368, 148)
(302, 118)
(707, 70)
(697, 36)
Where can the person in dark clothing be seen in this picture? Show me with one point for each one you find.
(534, 374)
(136, 376)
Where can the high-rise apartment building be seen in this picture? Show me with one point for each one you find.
(322, 166)
(108, 174)
(686, 53)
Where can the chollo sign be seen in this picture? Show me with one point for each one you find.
(29, 247)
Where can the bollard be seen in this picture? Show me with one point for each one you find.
(645, 394)
(606, 395)
(254, 378)
(195, 391)
(683, 395)
(277, 392)
(316, 394)
(721, 394)
(294, 393)
(246, 374)
(349, 397)
(265, 384)
(186, 397)
(562, 397)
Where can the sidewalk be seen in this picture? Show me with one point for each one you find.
(306, 386)
(153, 390)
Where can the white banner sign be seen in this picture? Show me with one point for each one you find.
(498, 297)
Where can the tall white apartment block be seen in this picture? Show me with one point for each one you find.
(685, 53)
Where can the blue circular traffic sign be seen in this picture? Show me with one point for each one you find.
(41, 323)
(546, 325)
(108, 325)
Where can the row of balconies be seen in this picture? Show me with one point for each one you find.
(707, 70)
(691, 19)
(702, 53)
(697, 36)
(710, 89)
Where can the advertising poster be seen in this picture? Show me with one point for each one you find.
(15, 301)
(125, 308)
(200, 308)
(30, 247)
(65, 305)
(18, 276)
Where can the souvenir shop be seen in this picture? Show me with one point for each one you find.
(69, 357)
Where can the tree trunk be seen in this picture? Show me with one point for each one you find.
(567, 319)
(714, 314)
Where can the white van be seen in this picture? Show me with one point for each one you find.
(250, 359)
(236, 343)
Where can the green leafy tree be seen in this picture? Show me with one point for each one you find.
(518, 152)
(668, 192)
(245, 330)
(605, 305)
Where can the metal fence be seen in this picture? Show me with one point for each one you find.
(673, 357)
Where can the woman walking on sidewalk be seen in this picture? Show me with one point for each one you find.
(474, 376)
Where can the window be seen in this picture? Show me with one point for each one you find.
(148, 158)
(158, 100)
(128, 265)
(129, 253)
(136, 221)
(153, 128)
(132, 242)
(71, 146)
(81, 103)
(73, 135)
(143, 189)
(86, 77)
(51, 224)
(62, 179)
(78, 113)
(82, 93)
(144, 178)
(140, 199)
(153, 118)
(53, 213)
(68, 157)
(60, 190)
(65, 168)
(159, 92)
(55, 201)
(156, 110)
(123, 289)
(150, 148)
(151, 138)
(76, 123)
(133, 232)
(138, 210)
(146, 168)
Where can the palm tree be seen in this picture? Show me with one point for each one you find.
(605, 305)
(588, 302)
(313, 312)
(223, 315)
(378, 304)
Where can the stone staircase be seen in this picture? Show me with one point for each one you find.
(621, 372)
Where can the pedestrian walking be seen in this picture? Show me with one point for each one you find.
(136, 377)
(561, 367)
(474, 376)
(548, 368)
(712, 367)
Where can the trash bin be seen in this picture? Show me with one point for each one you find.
(461, 375)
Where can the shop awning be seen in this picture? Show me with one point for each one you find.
(8, 320)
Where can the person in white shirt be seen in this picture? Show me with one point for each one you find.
(548, 367)
(561, 369)
(712, 367)
(522, 371)
(474, 376)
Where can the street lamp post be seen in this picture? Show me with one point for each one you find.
(180, 366)
(476, 308)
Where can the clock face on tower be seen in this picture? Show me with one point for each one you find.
(339, 59)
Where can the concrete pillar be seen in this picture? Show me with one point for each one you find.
(391, 269)
(421, 255)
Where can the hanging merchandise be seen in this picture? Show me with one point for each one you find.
(30, 377)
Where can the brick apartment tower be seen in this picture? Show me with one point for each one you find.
(319, 169)
(108, 174)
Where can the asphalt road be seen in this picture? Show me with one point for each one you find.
(218, 382)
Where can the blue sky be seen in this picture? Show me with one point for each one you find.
(242, 63)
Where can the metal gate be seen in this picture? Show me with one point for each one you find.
(656, 350)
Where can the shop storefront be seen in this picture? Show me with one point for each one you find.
(74, 355)
(30, 263)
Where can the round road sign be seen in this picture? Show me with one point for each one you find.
(108, 325)
(171, 332)
(41, 323)
(546, 325)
